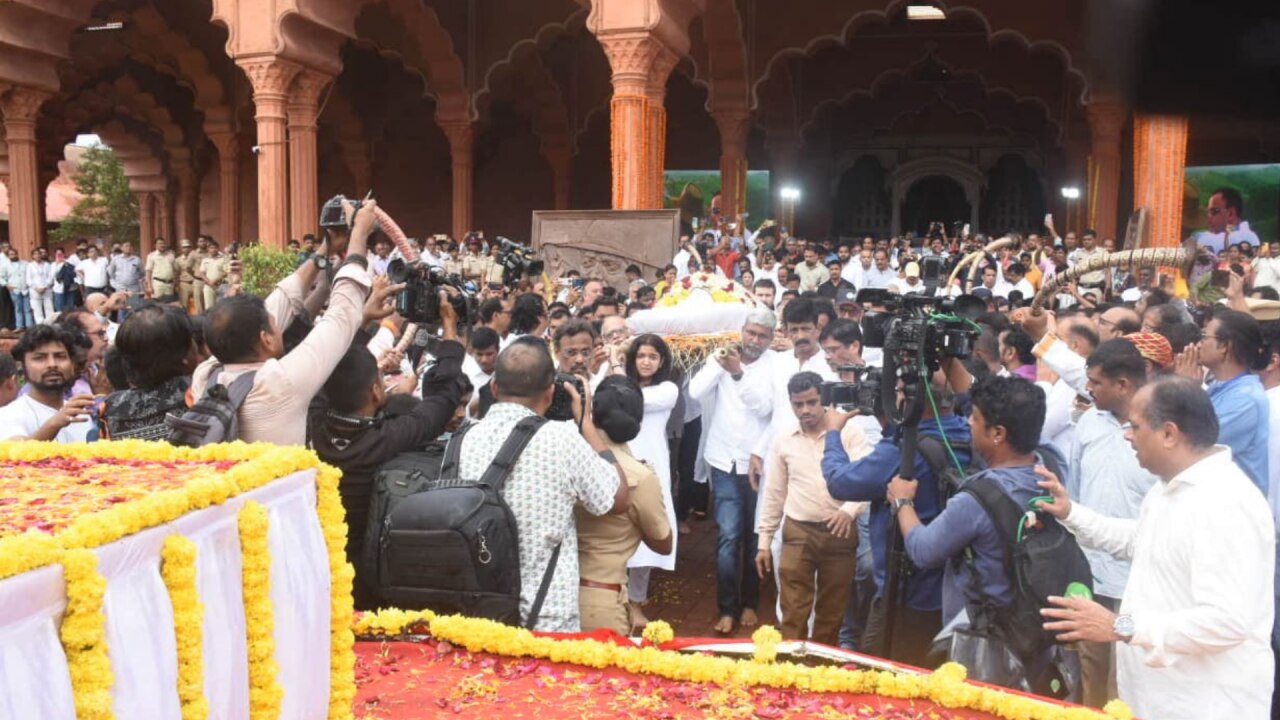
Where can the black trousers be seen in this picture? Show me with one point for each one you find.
(691, 496)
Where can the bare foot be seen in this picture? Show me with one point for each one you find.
(749, 618)
(725, 625)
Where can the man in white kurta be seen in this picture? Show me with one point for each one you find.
(1194, 628)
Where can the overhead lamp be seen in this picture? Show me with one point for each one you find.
(1071, 193)
(925, 12)
(105, 27)
(790, 193)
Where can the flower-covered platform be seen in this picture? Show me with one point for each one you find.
(138, 580)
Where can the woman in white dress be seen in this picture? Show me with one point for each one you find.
(648, 363)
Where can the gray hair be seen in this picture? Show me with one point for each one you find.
(761, 316)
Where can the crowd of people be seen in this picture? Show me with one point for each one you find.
(1136, 412)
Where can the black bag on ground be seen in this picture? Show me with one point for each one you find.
(214, 418)
(453, 547)
(1041, 560)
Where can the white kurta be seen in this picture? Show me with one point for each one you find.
(651, 447)
(1200, 593)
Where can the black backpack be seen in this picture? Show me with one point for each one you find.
(214, 418)
(404, 475)
(1042, 560)
(453, 547)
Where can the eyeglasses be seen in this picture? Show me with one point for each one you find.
(1216, 210)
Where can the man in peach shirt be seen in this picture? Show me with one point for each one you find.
(246, 334)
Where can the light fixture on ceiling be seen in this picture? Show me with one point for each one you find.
(925, 12)
(790, 193)
(104, 27)
(1071, 193)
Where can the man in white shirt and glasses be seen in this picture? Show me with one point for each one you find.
(1193, 634)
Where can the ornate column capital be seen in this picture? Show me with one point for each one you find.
(20, 106)
(1106, 120)
(304, 97)
(639, 60)
(734, 125)
(461, 134)
(270, 76)
(224, 140)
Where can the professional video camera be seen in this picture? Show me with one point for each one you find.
(331, 215)
(517, 262)
(419, 301)
(861, 394)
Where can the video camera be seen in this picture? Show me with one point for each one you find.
(517, 262)
(862, 394)
(419, 301)
(331, 215)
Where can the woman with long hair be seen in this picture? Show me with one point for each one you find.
(648, 364)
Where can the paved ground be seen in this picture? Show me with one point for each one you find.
(686, 598)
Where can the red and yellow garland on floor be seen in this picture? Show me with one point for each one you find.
(232, 469)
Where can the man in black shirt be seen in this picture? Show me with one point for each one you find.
(834, 284)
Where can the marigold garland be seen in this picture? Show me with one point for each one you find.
(342, 663)
(178, 568)
(945, 686)
(658, 632)
(265, 693)
(84, 636)
(766, 639)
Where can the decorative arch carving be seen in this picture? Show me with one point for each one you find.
(542, 39)
(420, 41)
(901, 178)
(726, 56)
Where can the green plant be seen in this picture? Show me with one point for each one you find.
(107, 208)
(263, 267)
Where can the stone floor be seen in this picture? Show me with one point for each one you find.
(686, 598)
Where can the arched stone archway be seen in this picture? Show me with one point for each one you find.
(968, 176)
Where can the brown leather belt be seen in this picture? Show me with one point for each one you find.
(613, 587)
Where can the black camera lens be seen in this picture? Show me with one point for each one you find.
(397, 271)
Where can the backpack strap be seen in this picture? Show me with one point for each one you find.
(239, 389)
(1003, 511)
(452, 453)
(536, 608)
(505, 461)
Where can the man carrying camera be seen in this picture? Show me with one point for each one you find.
(562, 466)
(919, 617)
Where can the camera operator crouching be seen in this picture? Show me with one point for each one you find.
(918, 617)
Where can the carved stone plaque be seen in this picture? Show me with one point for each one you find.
(602, 243)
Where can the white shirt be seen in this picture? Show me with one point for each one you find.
(786, 365)
(476, 374)
(93, 271)
(1060, 400)
(741, 413)
(1106, 477)
(40, 276)
(877, 278)
(1024, 287)
(900, 286)
(1267, 272)
(24, 416)
(1215, 240)
(1200, 593)
(681, 261)
(853, 272)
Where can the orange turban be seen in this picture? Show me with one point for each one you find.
(1153, 346)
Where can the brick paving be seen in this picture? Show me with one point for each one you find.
(686, 598)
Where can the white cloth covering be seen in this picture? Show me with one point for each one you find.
(651, 447)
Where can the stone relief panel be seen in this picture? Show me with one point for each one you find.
(602, 243)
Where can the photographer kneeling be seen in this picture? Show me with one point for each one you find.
(919, 617)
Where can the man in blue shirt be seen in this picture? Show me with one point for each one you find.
(919, 618)
(1231, 349)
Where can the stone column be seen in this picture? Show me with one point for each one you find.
(356, 157)
(146, 222)
(559, 154)
(164, 216)
(228, 185)
(20, 107)
(188, 204)
(461, 134)
(1106, 122)
(784, 154)
(641, 63)
(734, 125)
(270, 77)
(304, 195)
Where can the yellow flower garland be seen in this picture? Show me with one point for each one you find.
(766, 639)
(178, 568)
(946, 686)
(658, 632)
(265, 692)
(342, 663)
(84, 636)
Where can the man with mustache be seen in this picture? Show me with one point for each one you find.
(45, 412)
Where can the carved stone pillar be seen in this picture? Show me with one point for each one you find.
(228, 185)
(304, 106)
(641, 64)
(271, 78)
(164, 217)
(559, 155)
(784, 155)
(356, 157)
(188, 204)
(146, 222)
(20, 106)
(461, 134)
(1106, 122)
(734, 125)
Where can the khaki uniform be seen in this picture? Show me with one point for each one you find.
(606, 542)
(215, 269)
(185, 280)
(163, 269)
(194, 259)
(494, 271)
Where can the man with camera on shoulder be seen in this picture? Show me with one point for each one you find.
(918, 618)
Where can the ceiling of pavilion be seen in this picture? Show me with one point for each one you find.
(843, 71)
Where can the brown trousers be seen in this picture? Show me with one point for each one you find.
(815, 574)
(1098, 665)
(602, 608)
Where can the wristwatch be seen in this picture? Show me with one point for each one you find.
(321, 261)
(1124, 627)
(899, 503)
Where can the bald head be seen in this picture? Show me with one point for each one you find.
(95, 302)
(1118, 322)
(524, 371)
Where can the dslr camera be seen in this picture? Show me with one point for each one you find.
(331, 215)
(562, 402)
(419, 301)
(862, 394)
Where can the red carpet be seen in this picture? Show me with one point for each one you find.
(406, 681)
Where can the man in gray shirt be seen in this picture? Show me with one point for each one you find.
(124, 271)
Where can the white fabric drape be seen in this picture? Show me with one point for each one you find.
(34, 682)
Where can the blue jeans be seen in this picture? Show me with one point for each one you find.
(864, 589)
(63, 301)
(737, 584)
(22, 310)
